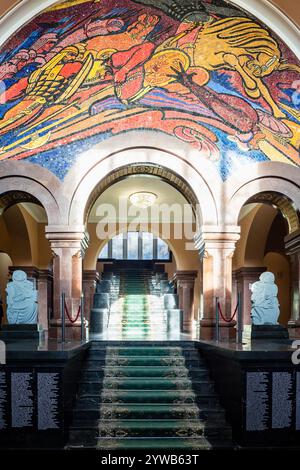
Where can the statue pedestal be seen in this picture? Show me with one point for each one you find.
(275, 332)
(21, 331)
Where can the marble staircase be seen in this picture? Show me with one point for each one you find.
(139, 394)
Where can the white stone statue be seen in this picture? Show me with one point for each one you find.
(265, 306)
(21, 300)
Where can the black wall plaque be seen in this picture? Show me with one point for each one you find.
(3, 401)
(48, 391)
(298, 402)
(22, 399)
(282, 400)
(257, 401)
(272, 405)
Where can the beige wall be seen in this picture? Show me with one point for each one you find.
(251, 252)
(22, 243)
(255, 227)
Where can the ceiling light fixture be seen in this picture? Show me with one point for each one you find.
(142, 199)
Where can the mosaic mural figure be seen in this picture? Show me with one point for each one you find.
(203, 71)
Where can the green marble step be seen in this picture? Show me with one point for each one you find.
(167, 443)
(199, 443)
(145, 351)
(162, 428)
(91, 378)
(146, 411)
(147, 396)
(86, 415)
(146, 361)
(138, 371)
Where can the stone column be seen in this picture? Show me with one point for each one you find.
(216, 248)
(68, 247)
(90, 278)
(185, 281)
(292, 246)
(244, 278)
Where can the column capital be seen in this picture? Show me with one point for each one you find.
(90, 275)
(185, 278)
(67, 237)
(292, 243)
(45, 274)
(212, 238)
(248, 272)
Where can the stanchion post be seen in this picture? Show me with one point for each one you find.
(217, 319)
(63, 317)
(82, 317)
(240, 319)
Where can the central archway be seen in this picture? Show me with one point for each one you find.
(198, 189)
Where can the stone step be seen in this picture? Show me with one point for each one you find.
(93, 435)
(149, 395)
(183, 444)
(151, 349)
(146, 361)
(138, 371)
(184, 345)
(146, 411)
(96, 375)
(154, 428)
(171, 443)
(95, 400)
(215, 413)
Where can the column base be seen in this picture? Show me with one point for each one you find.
(208, 330)
(73, 331)
(294, 329)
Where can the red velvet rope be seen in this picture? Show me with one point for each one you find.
(227, 320)
(68, 315)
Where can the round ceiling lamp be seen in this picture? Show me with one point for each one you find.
(143, 199)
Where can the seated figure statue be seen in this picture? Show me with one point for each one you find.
(265, 306)
(21, 300)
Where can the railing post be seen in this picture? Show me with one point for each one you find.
(63, 318)
(82, 317)
(240, 319)
(217, 319)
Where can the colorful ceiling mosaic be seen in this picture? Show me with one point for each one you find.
(202, 71)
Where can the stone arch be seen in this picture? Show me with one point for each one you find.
(175, 169)
(277, 184)
(26, 182)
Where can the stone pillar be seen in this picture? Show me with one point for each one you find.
(68, 248)
(90, 278)
(216, 248)
(244, 277)
(292, 246)
(185, 281)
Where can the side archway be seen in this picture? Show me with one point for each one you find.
(25, 182)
